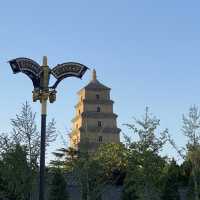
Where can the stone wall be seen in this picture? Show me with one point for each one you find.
(110, 193)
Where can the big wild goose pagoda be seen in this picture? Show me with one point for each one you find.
(94, 123)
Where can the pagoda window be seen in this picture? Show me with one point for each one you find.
(98, 109)
(100, 139)
(99, 124)
(97, 96)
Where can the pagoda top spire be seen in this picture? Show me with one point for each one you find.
(94, 75)
(94, 84)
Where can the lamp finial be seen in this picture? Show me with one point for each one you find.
(44, 61)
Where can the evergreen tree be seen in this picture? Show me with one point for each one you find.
(145, 165)
(65, 158)
(171, 182)
(58, 188)
(191, 129)
(25, 132)
(25, 138)
(113, 159)
(15, 178)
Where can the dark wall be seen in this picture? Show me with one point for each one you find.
(109, 193)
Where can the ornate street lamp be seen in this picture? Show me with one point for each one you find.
(40, 76)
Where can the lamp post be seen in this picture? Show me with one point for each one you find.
(40, 76)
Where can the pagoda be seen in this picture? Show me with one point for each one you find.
(94, 123)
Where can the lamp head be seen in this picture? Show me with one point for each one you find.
(65, 70)
(29, 67)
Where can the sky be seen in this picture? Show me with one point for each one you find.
(147, 51)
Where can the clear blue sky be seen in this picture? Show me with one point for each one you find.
(147, 51)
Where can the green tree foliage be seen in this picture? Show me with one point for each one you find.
(144, 176)
(144, 163)
(89, 174)
(171, 181)
(146, 130)
(25, 132)
(58, 187)
(93, 171)
(191, 129)
(191, 126)
(14, 173)
(113, 159)
(65, 158)
(186, 171)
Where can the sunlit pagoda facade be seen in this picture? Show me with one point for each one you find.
(94, 123)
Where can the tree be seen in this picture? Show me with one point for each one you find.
(191, 126)
(25, 132)
(113, 159)
(171, 181)
(5, 143)
(144, 176)
(109, 162)
(145, 166)
(58, 186)
(146, 129)
(64, 158)
(191, 129)
(91, 181)
(14, 173)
